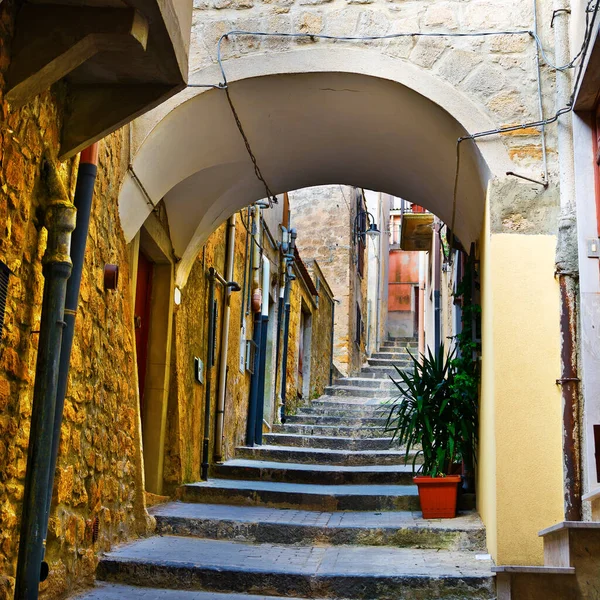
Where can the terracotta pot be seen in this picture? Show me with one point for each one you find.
(438, 496)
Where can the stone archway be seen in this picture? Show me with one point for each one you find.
(314, 117)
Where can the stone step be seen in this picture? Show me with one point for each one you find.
(350, 401)
(345, 411)
(352, 572)
(330, 430)
(302, 496)
(361, 392)
(256, 524)
(377, 375)
(112, 591)
(388, 362)
(397, 357)
(367, 382)
(302, 419)
(381, 371)
(324, 456)
(400, 344)
(336, 442)
(313, 474)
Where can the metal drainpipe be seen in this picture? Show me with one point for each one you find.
(567, 270)
(286, 330)
(260, 399)
(257, 328)
(421, 304)
(57, 265)
(84, 193)
(437, 278)
(280, 306)
(220, 416)
(210, 359)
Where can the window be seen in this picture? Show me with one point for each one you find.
(359, 326)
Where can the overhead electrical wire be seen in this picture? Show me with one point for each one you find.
(542, 123)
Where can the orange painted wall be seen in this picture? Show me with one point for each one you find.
(403, 274)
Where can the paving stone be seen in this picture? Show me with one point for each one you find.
(303, 496)
(323, 455)
(361, 572)
(106, 591)
(336, 442)
(313, 474)
(335, 431)
(359, 421)
(272, 525)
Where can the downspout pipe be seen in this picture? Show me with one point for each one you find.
(210, 360)
(213, 279)
(220, 416)
(421, 305)
(257, 328)
(84, 193)
(56, 269)
(567, 271)
(280, 308)
(264, 323)
(286, 331)
(437, 284)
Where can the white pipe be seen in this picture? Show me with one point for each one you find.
(421, 304)
(220, 417)
(266, 286)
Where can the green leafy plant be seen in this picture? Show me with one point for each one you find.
(436, 410)
(422, 417)
(465, 385)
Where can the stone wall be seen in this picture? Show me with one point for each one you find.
(185, 422)
(321, 334)
(497, 72)
(99, 466)
(324, 217)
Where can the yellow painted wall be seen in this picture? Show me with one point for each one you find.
(520, 464)
(486, 464)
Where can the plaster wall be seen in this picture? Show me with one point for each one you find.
(521, 488)
(589, 281)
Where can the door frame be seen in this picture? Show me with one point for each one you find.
(154, 241)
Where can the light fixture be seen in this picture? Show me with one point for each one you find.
(177, 296)
(364, 224)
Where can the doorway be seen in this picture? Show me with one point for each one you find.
(153, 317)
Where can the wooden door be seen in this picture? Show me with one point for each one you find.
(143, 296)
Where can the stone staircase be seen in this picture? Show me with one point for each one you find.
(324, 509)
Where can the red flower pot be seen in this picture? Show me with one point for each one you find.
(438, 496)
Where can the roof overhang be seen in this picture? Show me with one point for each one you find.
(119, 59)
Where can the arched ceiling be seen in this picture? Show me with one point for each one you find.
(306, 129)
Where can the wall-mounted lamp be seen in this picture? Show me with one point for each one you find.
(177, 296)
(364, 224)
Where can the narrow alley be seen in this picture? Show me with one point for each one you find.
(299, 299)
(323, 509)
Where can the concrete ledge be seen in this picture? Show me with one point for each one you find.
(564, 525)
(534, 570)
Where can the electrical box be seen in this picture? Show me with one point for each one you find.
(593, 248)
(198, 370)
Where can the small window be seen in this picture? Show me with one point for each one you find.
(359, 326)
(4, 275)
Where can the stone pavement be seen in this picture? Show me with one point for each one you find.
(325, 509)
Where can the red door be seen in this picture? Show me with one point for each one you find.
(143, 295)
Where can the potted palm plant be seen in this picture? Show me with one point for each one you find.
(432, 416)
